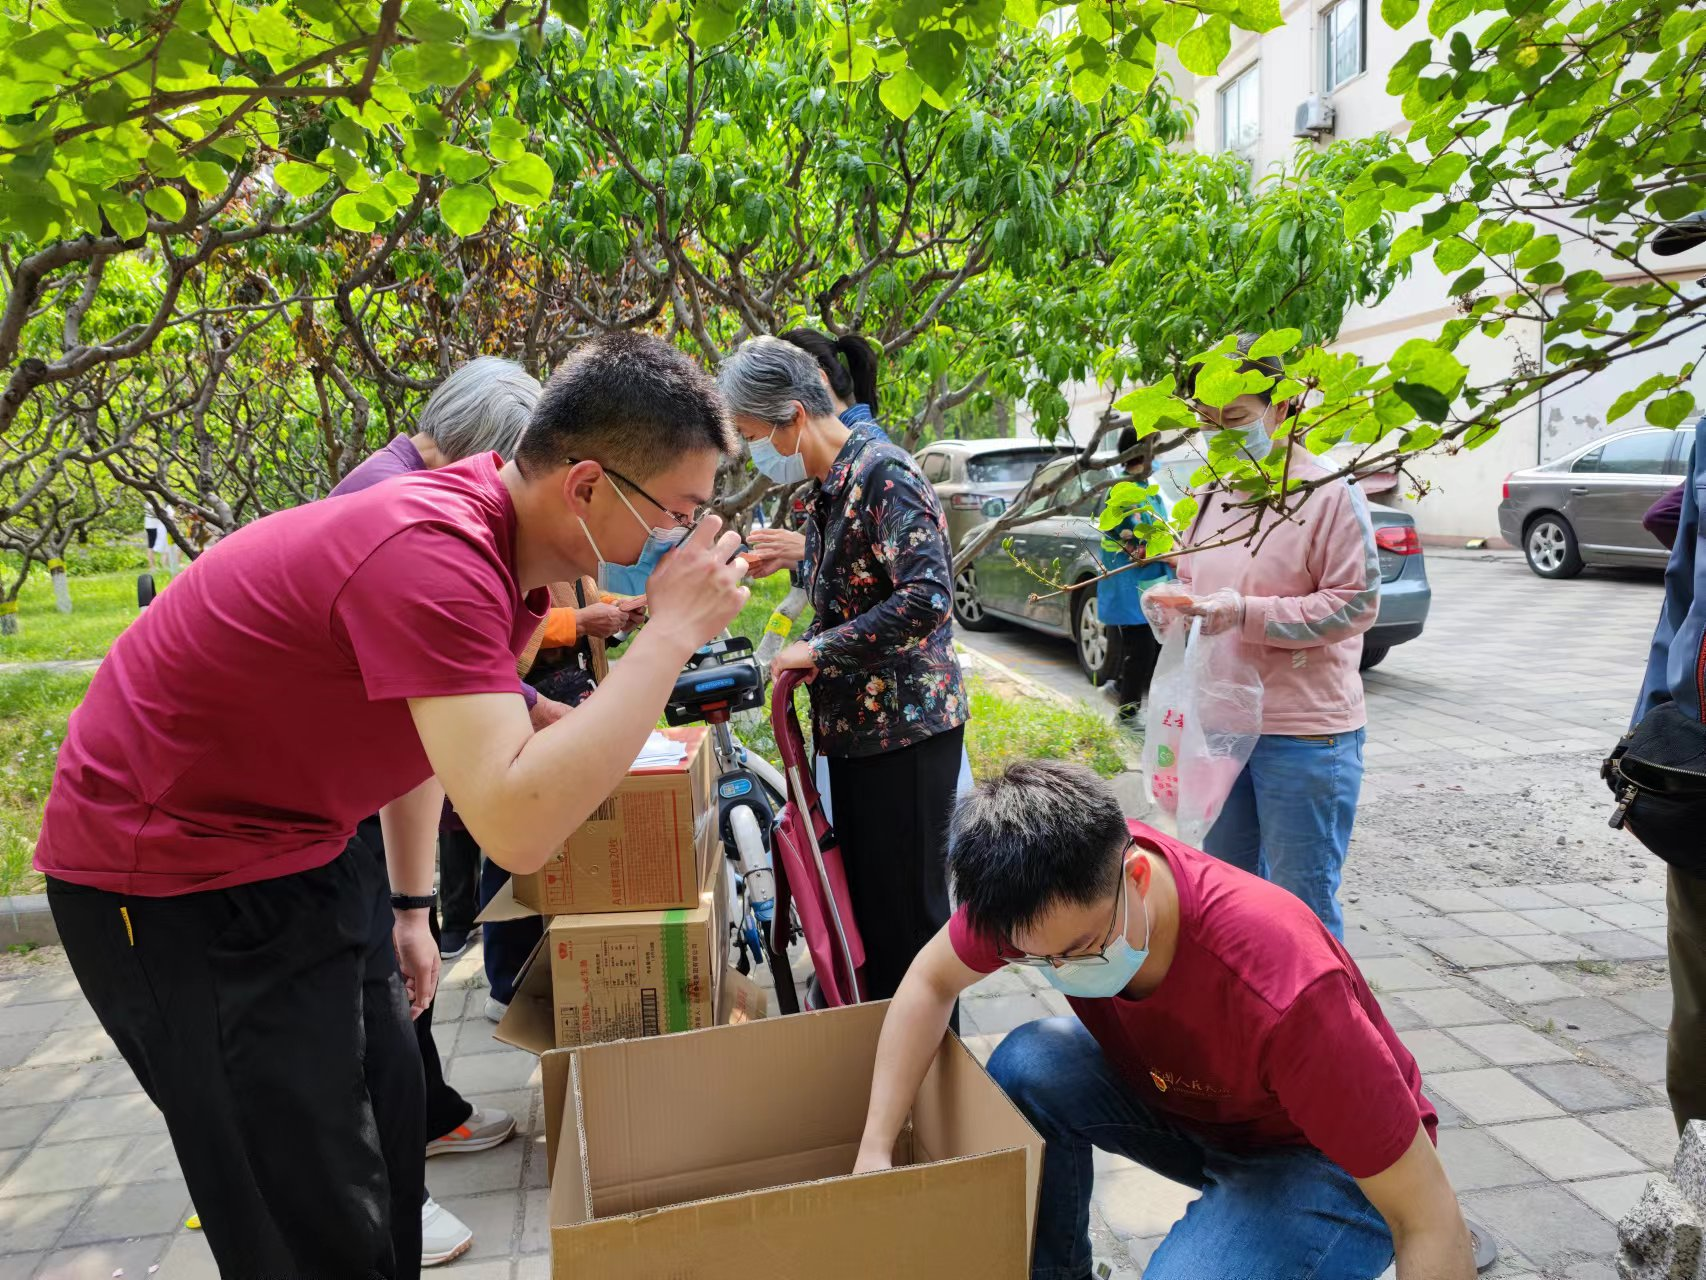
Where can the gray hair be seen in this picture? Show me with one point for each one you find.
(483, 406)
(766, 376)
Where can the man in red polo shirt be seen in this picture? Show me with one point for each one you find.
(1224, 1039)
(317, 666)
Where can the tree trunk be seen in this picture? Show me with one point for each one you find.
(8, 617)
(61, 587)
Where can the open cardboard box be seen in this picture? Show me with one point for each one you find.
(727, 1153)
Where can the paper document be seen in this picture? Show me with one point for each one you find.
(660, 752)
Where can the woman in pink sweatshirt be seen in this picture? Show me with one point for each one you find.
(1300, 590)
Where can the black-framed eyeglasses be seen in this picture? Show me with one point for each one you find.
(682, 520)
(1012, 955)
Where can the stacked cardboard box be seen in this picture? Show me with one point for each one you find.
(637, 932)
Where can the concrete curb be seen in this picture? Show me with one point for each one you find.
(26, 921)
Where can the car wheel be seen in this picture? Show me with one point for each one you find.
(1373, 655)
(1098, 644)
(968, 604)
(1550, 545)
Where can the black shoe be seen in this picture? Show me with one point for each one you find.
(453, 942)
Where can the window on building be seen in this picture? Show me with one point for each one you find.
(1342, 26)
(1240, 114)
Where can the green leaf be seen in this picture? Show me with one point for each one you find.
(574, 12)
(168, 202)
(525, 180)
(1363, 212)
(353, 211)
(1671, 411)
(205, 176)
(937, 57)
(1540, 249)
(1206, 46)
(1430, 405)
(1093, 20)
(902, 92)
(714, 21)
(97, 13)
(427, 20)
(124, 215)
(465, 209)
(1396, 13)
(464, 166)
(1453, 254)
(494, 52)
(1275, 343)
(508, 139)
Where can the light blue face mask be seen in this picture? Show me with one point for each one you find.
(1091, 979)
(783, 468)
(630, 579)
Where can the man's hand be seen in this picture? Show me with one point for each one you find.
(872, 1161)
(546, 712)
(796, 657)
(602, 620)
(774, 550)
(696, 590)
(417, 958)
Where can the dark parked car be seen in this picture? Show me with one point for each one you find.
(992, 589)
(1586, 507)
(966, 474)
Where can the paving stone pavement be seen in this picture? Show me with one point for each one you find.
(1547, 1076)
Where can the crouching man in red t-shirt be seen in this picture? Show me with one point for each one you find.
(1223, 1039)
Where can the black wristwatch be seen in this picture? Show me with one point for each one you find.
(403, 902)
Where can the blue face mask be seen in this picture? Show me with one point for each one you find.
(630, 579)
(783, 468)
(1101, 980)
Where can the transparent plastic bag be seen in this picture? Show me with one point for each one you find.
(1202, 722)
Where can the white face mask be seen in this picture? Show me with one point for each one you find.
(783, 468)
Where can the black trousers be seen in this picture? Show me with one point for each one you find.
(458, 880)
(276, 1042)
(445, 1108)
(891, 816)
(1139, 652)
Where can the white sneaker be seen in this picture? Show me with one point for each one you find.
(495, 1009)
(444, 1236)
(486, 1128)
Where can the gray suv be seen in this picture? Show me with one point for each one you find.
(966, 474)
(1586, 507)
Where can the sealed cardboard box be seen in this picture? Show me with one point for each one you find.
(620, 974)
(645, 848)
(673, 1157)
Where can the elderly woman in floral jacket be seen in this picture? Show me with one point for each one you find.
(888, 705)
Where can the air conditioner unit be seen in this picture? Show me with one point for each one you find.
(1314, 117)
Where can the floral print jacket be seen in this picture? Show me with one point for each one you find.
(880, 577)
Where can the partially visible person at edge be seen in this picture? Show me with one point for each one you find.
(1222, 1038)
(203, 866)
(888, 705)
(1300, 601)
(1119, 596)
(1677, 658)
(1664, 515)
(848, 367)
(481, 408)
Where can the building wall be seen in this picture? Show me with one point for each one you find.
(1459, 492)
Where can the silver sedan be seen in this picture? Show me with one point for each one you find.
(1586, 507)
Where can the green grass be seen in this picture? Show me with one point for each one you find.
(1004, 729)
(102, 605)
(33, 709)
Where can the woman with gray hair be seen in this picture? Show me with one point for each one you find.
(888, 705)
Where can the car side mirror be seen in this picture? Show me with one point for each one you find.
(994, 507)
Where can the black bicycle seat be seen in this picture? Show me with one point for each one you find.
(720, 679)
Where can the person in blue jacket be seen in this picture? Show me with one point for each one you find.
(1676, 672)
(1118, 597)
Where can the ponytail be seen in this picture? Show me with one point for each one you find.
(849, 362)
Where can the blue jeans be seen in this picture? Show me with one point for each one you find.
(1279, 1213)
(506, 943)
(1289, 817)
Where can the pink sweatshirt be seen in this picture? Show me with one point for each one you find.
(1311, 588)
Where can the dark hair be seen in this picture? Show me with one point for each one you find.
(630, 401)
(1273, 366)
(1042, 833)
(849, 362)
